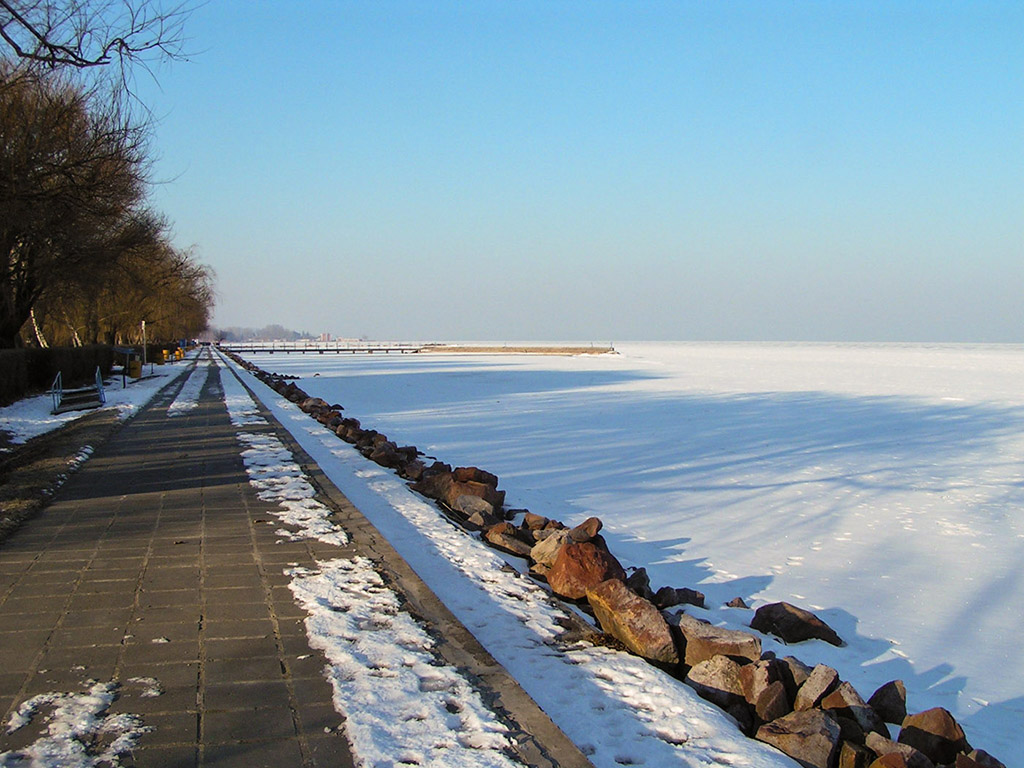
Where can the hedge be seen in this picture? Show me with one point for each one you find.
(29, 371)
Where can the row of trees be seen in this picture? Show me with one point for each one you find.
(83, 257)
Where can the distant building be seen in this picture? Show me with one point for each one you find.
(325, 337)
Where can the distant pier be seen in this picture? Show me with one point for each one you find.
(406, 348)
(321, 347)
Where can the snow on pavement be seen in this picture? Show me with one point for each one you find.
(617, 708)
(79, 732)
(187, 398)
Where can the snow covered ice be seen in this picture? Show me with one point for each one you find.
(879, 485)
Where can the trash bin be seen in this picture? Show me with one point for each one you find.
(135, 368)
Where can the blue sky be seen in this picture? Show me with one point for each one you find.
(603, 170)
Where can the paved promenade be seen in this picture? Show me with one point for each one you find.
(153, 569)
(158, 574)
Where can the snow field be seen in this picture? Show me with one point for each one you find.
(879, 485)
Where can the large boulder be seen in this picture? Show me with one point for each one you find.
(844, 701)
(505, 537)
(633, 621)
(792, 624)
(586, 531)
(811, 737)
(819, 684)
(764, 690)
(638, 581)
(794, 674)
(579, 567)
(546, 551)
(890, 750)
(474, 475)
(703, 641)
(890, 701)
(854, 756)
(718, 680)
(935, 733)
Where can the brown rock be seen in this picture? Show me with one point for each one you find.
(718, 680)
(488, 493)
(792, 624)
(757, 677)
(666, 597)
(690, 596)
(633, 621)
(703, 641)
(474, 475)
(811, 738)
(844, 701)
(638, 581)
(586, 530)
(883, 747)
(819, 684)
(481, 519)
(772, 703)
(579, 567)
(854, 756)
(794, 674)
(504, 536)
(890, 701)
(546, 551)
(935, 733)
(474, 505)
(982, 758)
(413, 470)
(534, 522)
(737, 602)
(386, 454)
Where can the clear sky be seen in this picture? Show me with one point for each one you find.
(538, 169)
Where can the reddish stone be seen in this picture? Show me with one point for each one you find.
(579, 567)
(632, 620)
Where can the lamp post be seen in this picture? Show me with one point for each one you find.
(143, 343)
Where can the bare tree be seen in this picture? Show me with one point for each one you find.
(72, 179)
(85, 34)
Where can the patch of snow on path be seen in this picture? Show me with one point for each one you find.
(401, 706)
(188, 396)
(617, 708)
(78, 733)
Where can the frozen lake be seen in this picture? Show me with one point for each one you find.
(880, 485)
